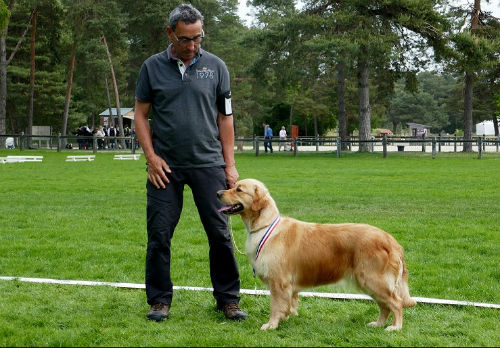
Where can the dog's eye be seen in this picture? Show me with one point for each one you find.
(238, 189)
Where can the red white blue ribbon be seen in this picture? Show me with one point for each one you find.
(266, 235)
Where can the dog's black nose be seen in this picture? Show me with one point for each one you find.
(219, 193)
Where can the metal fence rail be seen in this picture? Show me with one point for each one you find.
(69, 142)
(384, 145)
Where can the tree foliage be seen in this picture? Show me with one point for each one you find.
(284, 70)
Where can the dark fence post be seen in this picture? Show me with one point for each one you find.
(455, 143)
(132, 142)
(295, 147)
(439, 143)
(256, 144)
(59, 145)
(479, 148)
(94, 143)
(21, 141)
(423, 142)
(434, 148)
(339, 147)
(384, 145)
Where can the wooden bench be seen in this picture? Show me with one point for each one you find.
(13, 159)
(127, 157)
(79, 158)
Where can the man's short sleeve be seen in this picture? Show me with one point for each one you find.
(143, 88)
(224, 93)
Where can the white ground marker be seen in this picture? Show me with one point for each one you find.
(337, 296)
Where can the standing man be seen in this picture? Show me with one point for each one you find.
(268, 134)
(282, 138)
(192, 143)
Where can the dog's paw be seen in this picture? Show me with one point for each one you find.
(393, 328)
(374, 324)
(269, 326)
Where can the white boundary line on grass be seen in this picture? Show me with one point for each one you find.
(339, 296)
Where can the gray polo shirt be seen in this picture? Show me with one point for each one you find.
(185, 132)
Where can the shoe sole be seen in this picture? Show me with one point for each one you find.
(157, 318)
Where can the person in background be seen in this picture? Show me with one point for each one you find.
(282, 138)
(100, 138)
(268, 134)
(112, 134)
(126, 132)
(191, 143)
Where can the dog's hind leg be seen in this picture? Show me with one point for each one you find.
(403, 290)
(295, 303)
(389, 302)
(384, 293)
(281, 297)
(384, 314)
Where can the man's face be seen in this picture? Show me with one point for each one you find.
(183, 46)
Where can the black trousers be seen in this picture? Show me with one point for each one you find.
(164, 208)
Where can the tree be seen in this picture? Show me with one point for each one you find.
(429, 105)
(32, 74)
(472, 52)
(4, 62)
(358, 35)
(46, 88)
(98, 18)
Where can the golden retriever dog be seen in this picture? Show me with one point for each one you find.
(289, 255)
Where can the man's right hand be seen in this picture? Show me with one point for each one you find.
(157, 169)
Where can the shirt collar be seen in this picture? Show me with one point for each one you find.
(174, 59)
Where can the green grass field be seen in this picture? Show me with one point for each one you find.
(86, 221)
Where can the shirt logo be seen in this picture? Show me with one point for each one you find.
(205, 73)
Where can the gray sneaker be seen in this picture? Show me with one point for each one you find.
(158, 312)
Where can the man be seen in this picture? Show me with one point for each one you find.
(268, 134)
(192, 143)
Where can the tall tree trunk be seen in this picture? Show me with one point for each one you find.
(115, 88)
(67, 100)
(315, 120)
(495, 125)
(468, 94)
(71, 70)
(341, 100)
(4, 63)
(469, 86)
(394, 126)
(364, 105)
(29, 131)
(111, 119)
(3, 84)
(291, 119)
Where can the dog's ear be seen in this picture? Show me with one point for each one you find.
(259, 198)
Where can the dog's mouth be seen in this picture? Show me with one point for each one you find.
(231, 209)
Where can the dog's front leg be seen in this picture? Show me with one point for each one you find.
(280, 304)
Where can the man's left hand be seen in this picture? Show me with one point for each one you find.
(231, 175)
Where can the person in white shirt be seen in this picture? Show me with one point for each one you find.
(282, 137)
(100, 138)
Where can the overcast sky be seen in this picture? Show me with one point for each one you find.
(245, 12)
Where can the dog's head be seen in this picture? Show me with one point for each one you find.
(248, 196)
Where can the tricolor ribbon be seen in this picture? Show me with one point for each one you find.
(266, 235)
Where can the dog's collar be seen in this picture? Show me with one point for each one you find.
(266, 236)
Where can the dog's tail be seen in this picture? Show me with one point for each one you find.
(402, 285)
